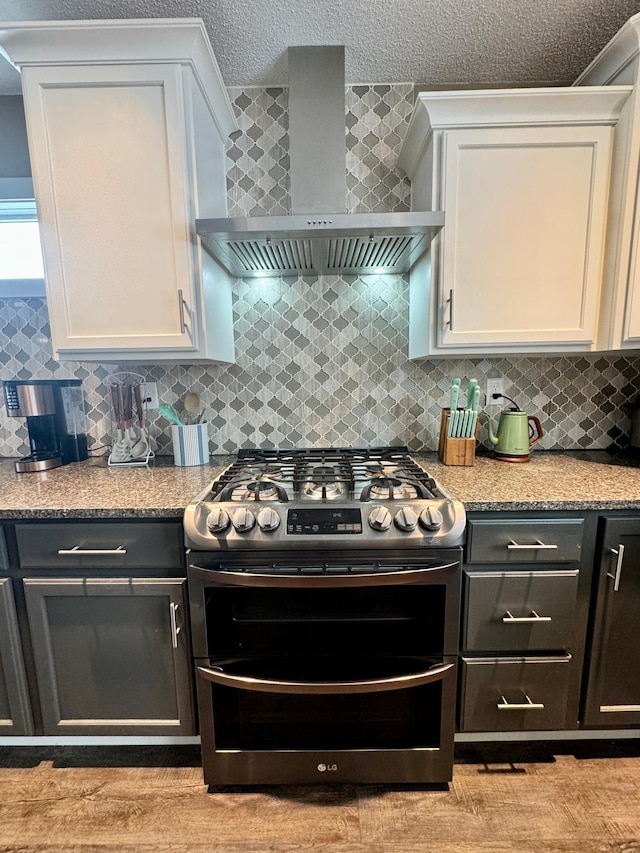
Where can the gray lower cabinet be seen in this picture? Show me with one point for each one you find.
(613, 681)
(15, 708)
(526, 584)
(514, 694)
(111, 655)
(522, 610)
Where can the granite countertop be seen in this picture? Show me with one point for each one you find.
(557, 480)
(91, 489)
(551, 480)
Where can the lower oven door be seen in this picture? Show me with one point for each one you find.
(353, 720)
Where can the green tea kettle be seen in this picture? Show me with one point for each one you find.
(517, 432)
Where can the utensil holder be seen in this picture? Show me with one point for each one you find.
(455, 451)
(190, 444)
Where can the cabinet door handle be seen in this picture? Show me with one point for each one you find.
(94, 552)
(537, 546)
(182, 303)
(619, 554)
(175, 630)
(519, 706)
(449, 302)
(509, 618)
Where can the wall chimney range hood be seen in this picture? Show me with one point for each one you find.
(318, 238)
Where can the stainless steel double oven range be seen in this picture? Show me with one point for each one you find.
(324, 590)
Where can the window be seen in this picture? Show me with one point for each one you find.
(21, 269)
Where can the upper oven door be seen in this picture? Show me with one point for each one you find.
(416, 614)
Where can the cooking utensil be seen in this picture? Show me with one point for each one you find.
(141, 446)
(453, 408)
(191, 407)
(473, 420)
(130, 436)
(464, 422)
(167, 411)
(468, 418)
(121, 447)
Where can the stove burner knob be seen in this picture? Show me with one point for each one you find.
(380, 518)
(431, 519)
(406, 519)
(217, 520)
(268, 519)
(243, 519)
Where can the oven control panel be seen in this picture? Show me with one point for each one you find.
(320, 522)
(215, 525)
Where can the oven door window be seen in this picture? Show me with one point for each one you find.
(402, 620)
(405, 718)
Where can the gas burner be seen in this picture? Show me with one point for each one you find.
(324, 483)
(266, 471)
(391, 488)
(260, 489)
(387, 469)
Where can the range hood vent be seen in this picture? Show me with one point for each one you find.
(316, 239)
(344, 244)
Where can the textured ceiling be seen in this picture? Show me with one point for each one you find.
(436, 43)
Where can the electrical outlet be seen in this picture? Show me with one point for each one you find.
(494, 386)
(151, 395)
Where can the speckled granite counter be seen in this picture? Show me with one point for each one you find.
(90, 489)
(551, 480)
(93, 490)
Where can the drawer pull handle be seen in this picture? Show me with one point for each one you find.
(619, 554)
(83, 552)
(175, 630)
(510, 618)
(537, 546)
(520, 706)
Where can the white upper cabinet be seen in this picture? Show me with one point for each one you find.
(619, 63)
(127, 124)
(522, 177)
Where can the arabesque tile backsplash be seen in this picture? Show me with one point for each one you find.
(322, 361)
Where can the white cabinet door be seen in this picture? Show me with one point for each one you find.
(108, 154)
(523, 178)
(521, 251)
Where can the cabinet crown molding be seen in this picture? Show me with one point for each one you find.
(182, 41)
(435, 111)
(618, 52)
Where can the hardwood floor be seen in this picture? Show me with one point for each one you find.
(580, 798)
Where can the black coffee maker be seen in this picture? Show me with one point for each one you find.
(56, 421)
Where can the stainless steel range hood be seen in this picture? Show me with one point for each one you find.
(319, 238)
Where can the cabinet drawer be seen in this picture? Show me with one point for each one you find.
(514, 694)
(522, 541)
(519, 611)
(153, 545)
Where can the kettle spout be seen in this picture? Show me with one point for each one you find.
(492, 438)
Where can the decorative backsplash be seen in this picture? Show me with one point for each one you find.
(322, 361)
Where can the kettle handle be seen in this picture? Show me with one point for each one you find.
(539, 431)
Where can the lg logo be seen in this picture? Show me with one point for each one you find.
(324, 767)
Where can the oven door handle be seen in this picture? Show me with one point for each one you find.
(381, 578)
(267, 685)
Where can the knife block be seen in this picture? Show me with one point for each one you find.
(455, 451)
